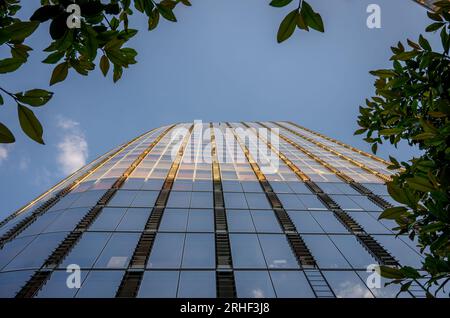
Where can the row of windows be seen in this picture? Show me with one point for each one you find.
(192, 284)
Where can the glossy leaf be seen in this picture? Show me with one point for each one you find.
(30, 124)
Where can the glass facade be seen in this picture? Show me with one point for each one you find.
(180, 212)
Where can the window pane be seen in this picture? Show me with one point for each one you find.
(174, 220)
(353, 251)
(87, 250)
(202, 200)
(202, 186)
(12, 248)
(299, 187)
(347, 284)
(239, 221)
(324, 251)
(56, 287)
(178, 199)
(369, 223)
(108, 219)
(134, 219)
(311, 202)
(67, 221)
(277, 251)
(329, 222)
(257, 201)
(246, 252)
(291, 284)
(346, 203)
(100, 284)
(201, 221)
(291, 202)
(145, 199)
(88, 199)
(40, 224)
(159, 284)
(199, 251)
(118, 251)
(235, 201)
(389, 291)
(402, 252)
(231, 186)
(12, 282)
(304, 222)
(280, 187)
(123, 198)
(197, 284)
(253, 284)
(34, 255)
(167, 251)
(251, 186)
(266, 221)
(365, 203)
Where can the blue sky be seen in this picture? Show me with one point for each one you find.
(220, 62)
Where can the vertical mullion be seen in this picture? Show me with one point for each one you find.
(132, 278)
(225, 282)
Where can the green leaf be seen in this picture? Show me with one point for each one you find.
(104, 65)
(117, 74)
(186, 3)
(301, 23)
(287, 26)
(166, 12)
(424, 43)
(393, 213)
(280, 3)
(139, 5)
(1, 100)
(6, 136)
(59, 73)
(390, 131)
(397, 193)
(420, 183)
(54, 57)
(383, 73)
(360, 131)
(434, 26)
(313, 19)
(30, 124)
(34, 97)
(391, 273)
(153, 20)
(404, 56)
(20, 30)
(91, 43)
(10, 65)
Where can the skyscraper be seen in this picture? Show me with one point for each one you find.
(253, 209)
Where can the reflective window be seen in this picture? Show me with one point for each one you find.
(299, 187)
(369, 223)
(239, 221)
(117, 253)
(12, 248)
(280, 187)
(88, 199)
(197, 284)
(325, 252)
(329, 222)
(304, 222)
(100, 284)
(108, 219)
(159, 284)
(134, 219)
(123, 198)
(65, 202)
(246, 252)
(353, 251)
(56, 286)
(178, 199)
(201, 185)
(153, 184)
(34, 255)
(145, 199)
(266, 221)
(365, 203)
(174, 220)
(377, 188)
(166, 251)
(202, 200)
(87, 250)
(389, 291)
(182, 185)
(253, 284)
(201, 221)
(12, 282)
(311, 202)
(346, 203)
(235, 201)
(402, 252)
(277, 252)
(346, 284)
(291, 202)
(291, 284)
(199, 251)
(257, 201)
(251, 186)
(231, 186)
(67, 221)
(40, 224)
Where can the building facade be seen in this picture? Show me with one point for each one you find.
(252, 209)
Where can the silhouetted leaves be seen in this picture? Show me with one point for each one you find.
(30, 124)
(287, 26)
(59, 73)
(6, 135)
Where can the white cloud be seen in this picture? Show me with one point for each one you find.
(4, 152)
(73, 148)
(24, 163)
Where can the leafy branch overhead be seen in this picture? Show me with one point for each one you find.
(100, 39)
(412, 104)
